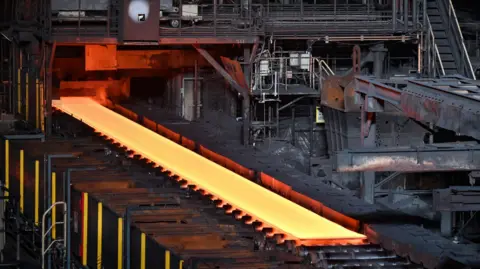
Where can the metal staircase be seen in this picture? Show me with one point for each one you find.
(448, 39)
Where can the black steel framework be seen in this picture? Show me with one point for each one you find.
(239, 22)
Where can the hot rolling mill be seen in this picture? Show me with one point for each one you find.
(130, 210)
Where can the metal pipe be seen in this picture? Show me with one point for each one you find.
(214, 17)
(48, 93)
(424, 16)
(7, 167)
(293, 126)
(405, 14)
(278, 119)
(414, 14)
(195, 92)
(22, 180)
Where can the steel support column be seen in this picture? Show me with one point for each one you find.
(195, 92)
(368, 133)
(379, 54)
(446, 222)
(246, 97)
(48, 91)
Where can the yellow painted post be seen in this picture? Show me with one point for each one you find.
(180, 265)
(85, 229)
(142, 251)
(7, 166)
(120, 244)
(37, 104)
(99, 236)
(42, 117)
(167, 259)
(19, 89)
(22, 180)
(54, 209)
(37, 187)
(26, 96)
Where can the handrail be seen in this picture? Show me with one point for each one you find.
(435, 47)
(464, 48)
(325, 67)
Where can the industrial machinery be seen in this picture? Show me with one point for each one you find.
(357, 116)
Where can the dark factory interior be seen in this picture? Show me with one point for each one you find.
(229, 134)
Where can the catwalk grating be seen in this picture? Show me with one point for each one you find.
(284, 217)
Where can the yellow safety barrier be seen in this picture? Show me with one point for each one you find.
(180, 265)
(7, 166)
(54, 209)
(37, 191)
(26, 96)
(142, 251)
(120, 244)
(99, 235)
(22, 180)
(167, 259)
(85, 229)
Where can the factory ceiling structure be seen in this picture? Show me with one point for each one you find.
(239, 134)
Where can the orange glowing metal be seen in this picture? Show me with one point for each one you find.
(269, 208)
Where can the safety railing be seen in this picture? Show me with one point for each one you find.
(101, 217)
(38, 234)
(332, 13)
(453, 28)
(434, 64)
(45, 231)
(226, 20)
(214, 20)
(275, 74)
(294, 74)
(47, 245)
(103, 22)
(324, 71)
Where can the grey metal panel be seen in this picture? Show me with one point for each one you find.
(135, 28)
(73, 5)
(166, 5)
(457, 198)
(435, 157)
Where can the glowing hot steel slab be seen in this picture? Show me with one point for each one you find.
(274, 211)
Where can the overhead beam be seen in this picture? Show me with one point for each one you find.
(450, 103)
(243, 91)
(428, 158)
(457, 199)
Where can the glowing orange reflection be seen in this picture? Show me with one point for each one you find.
(269, 208)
